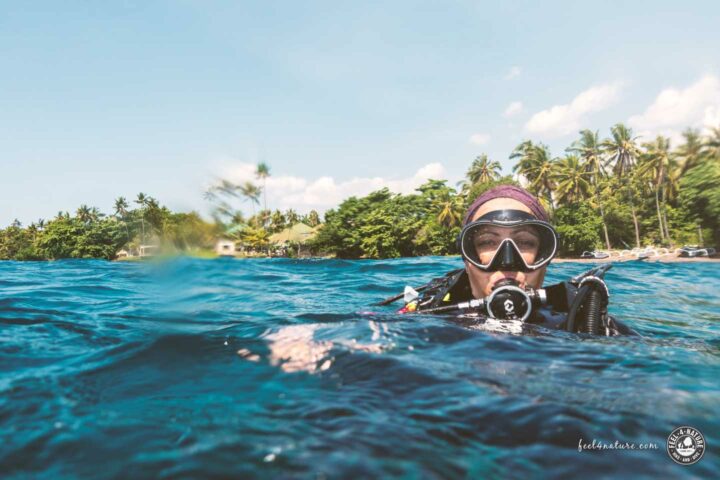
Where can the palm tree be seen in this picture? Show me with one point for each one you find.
(483, 170)
(291, 217)
(84, 213)
(237, 218)
(313, 218)
(251, 192)
(95, 214)
(264, 216)
(523, 154)
(450, 211)
(690, 154)
(216, 194)
(655, 165)
(712, 143)
(277, 221)
(573, 179)
(536, 165)
(588, 147)
(256, 237)
(141, 200)
(227, 188)
(153, 204)
(121, 206)
(155, 216)
(32, 229)
(226, 210)
(210, 195)
(622, 152)
(692, 151)
(262, 173)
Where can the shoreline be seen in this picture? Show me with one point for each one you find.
(660, 259)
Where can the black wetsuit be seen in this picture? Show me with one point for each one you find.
(454, 288)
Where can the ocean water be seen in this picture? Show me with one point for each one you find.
(279, 368)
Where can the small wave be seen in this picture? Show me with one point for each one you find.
(281, 368)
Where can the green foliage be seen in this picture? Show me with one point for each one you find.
(386, 225)
(255, 237)
(483, 170)
(700, 195)
(17, 243)
(649, 194)
(74, 238)
(188, 230)
(90, 234)
(312, 218)
(618, 215)
(538, 167)
(579, 228)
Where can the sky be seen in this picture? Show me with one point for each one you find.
(106, 99)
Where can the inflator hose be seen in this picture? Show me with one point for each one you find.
(589, 298)
(592, 312)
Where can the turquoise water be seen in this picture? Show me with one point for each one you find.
(281, 369)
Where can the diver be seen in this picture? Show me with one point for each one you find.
(506, 244)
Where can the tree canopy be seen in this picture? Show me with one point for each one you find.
(612, 192)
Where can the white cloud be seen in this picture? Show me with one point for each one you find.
(514, 71)
(479, 138)
(513, 109)
(322, 193)
(563, 119)
(673, 110)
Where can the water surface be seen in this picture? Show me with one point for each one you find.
(281, 368)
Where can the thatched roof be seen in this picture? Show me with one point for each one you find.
(298, 233)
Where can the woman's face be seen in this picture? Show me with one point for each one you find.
(481, 282)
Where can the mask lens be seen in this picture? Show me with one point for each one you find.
(536, 243)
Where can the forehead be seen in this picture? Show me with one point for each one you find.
(500, 204)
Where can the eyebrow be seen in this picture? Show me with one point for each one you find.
(528, 230)
(520, 229)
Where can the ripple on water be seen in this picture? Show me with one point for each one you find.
(282, 368)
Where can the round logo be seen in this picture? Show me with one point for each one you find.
(686, 445)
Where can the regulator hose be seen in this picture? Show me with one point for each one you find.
(592, 312)
(577, 303)
(589, 303)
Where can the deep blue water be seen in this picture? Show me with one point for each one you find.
(281, 369)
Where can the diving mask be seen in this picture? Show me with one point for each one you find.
(508, 240)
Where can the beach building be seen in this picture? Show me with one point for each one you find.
(148, 250)
(298, 234)
(225, 248)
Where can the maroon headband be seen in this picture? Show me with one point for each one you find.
(508, 191)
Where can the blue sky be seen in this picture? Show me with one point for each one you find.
(102, 99)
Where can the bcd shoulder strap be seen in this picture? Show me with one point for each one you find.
(454, 287)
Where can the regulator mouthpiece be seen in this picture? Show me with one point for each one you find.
(506, 281)
(509, 302)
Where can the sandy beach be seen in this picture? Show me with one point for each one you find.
(658, 259)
